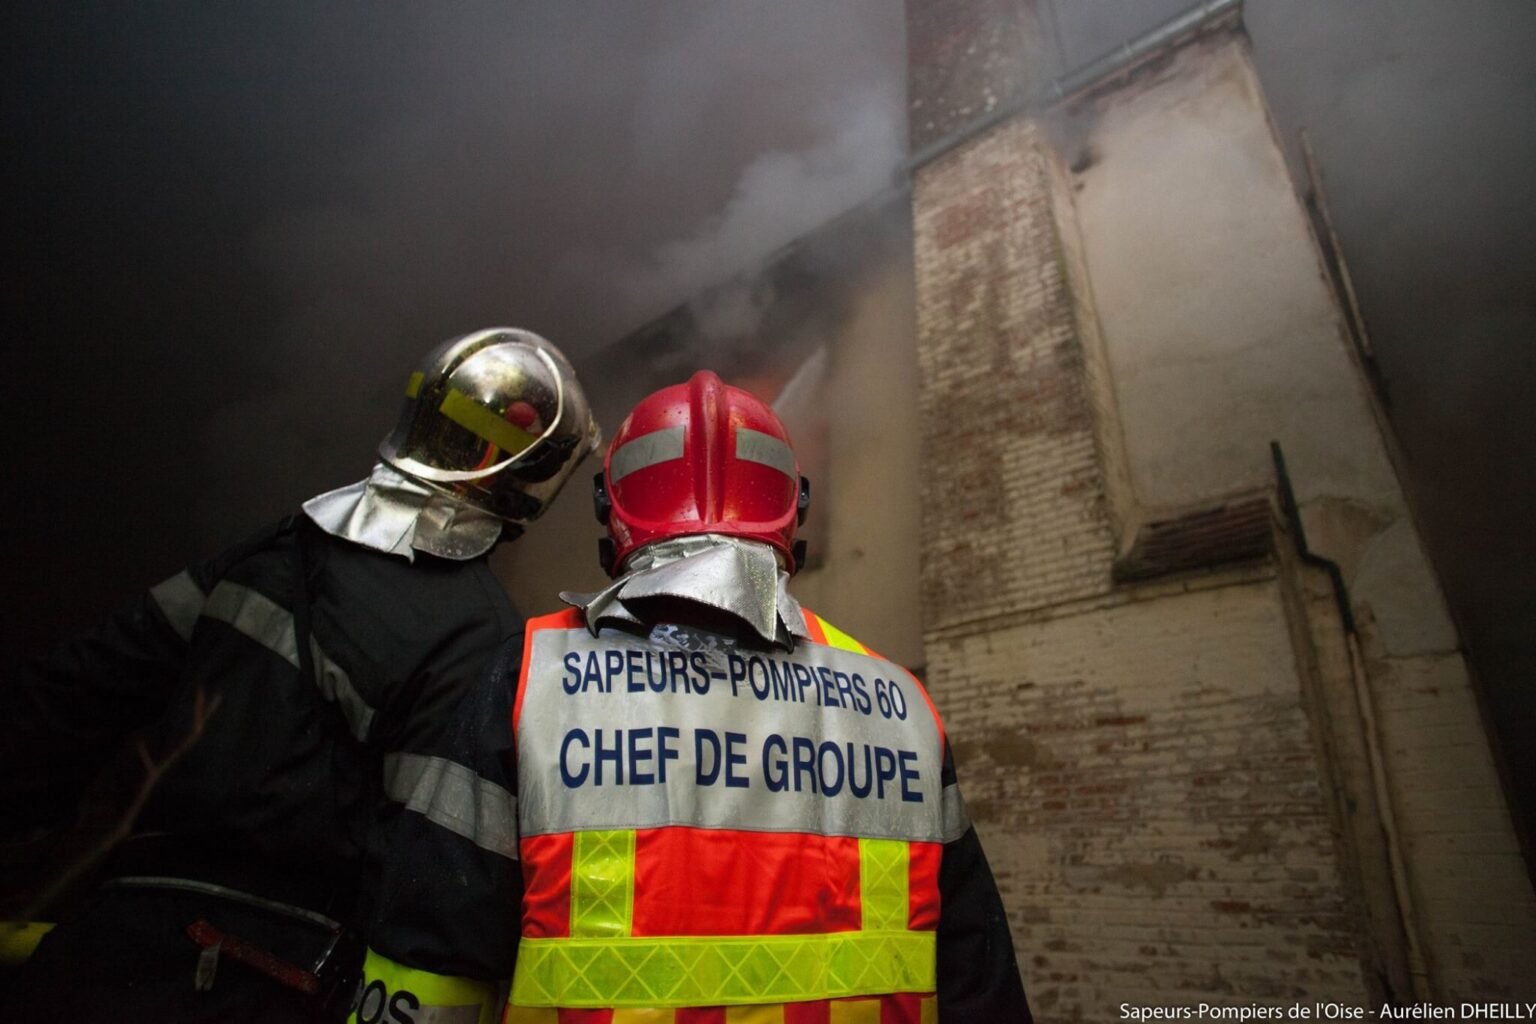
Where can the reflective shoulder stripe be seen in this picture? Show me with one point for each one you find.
(271, 625)
(721, 970)
(181, 602)
(453, 796)
(393, 991)
(766, 450)
(646, 450)
(956, 819)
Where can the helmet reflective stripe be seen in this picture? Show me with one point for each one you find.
(482, 422)
(756, 446)
(485, 423)
(657, 446)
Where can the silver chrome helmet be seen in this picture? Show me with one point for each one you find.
(495, 418)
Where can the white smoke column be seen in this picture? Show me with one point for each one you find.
(779, 197)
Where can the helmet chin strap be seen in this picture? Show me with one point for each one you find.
(739, 577)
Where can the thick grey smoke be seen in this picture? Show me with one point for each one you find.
(779, 197)
(589, 175)
(234, 227)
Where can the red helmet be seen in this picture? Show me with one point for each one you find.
(701, 457)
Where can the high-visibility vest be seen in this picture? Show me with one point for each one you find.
(723, 834)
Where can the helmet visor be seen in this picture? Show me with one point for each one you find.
(492, 410)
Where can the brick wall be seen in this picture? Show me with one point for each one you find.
(964, 57)
(1195, 782)
(1139, 762)
(1145, 781)
(1014, 514)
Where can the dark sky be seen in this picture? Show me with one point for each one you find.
(230, 229)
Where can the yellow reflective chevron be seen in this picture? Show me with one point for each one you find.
(837, 638)
(717, 970)
(389, 987)
(603, 883)
(883, 875)
(413, 386)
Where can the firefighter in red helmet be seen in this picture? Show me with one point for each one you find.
(737, 478)
(727, 808)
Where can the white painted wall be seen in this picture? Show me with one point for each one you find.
(1223, 334)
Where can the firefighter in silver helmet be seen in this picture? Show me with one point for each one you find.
(320, 666)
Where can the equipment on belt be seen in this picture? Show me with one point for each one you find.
(332, 975)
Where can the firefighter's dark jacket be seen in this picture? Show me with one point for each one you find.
(386, 771)
(299, 788)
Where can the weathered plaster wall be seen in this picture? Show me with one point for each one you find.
(1221, 335)
(964, 58)
(1013, 511)
(1221, 331)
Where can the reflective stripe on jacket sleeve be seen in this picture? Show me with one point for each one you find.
(450, 795)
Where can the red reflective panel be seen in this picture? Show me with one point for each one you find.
(586, 1016)
(691, 881)
(923, 885)
(546, 864)
(901, 1008)
(816, 1011)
